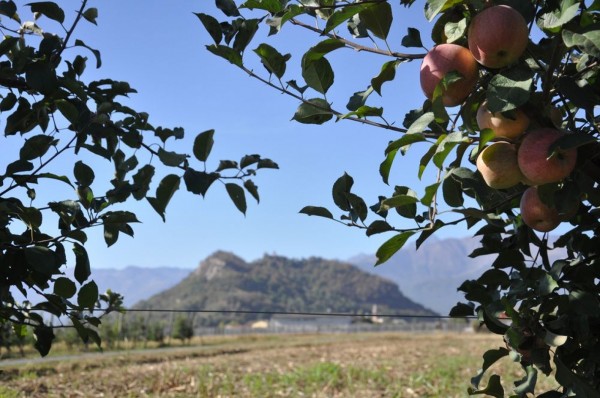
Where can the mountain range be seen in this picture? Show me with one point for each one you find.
(224, 281)
(429, 276)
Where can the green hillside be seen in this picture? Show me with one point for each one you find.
(226, 282)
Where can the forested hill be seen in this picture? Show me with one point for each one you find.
(226, 282)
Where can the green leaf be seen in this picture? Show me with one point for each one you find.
(64, 287)
(452, 191)
(248, 160)
(566, 377)
(68, 110)
(164, 133)
(82, 263)
(49, 9)
(41, 259)
(41, 77)
(36, 147)
(485, 136)
(494, 388)
(96, 53)
(527, 385)
(378, 19)
(363, 112)
(412, 38)
(430, 192)
(321, 49)
(509, 89)
(291, 11)
(446, 146)
(245, 33)
(141, 181)
(171, 159)
(490, 357)
(455, 30)
(228, 7)
(90, 15)
(9, 9)
(88, 295)
(428, 232)
(554, 340)
(461, 310)
(203, 145)
(426, 158)
(252, 189)
(387, 73)
(212, 26)
(358, 100)
(44, 336)
(273, 6)
(357, 28)
(226, 53)
(18, 166)
(420, 125)
(293, 84)
(555, 19)
(391, 246)
(358, 207)
(316, 211)
(398, 201)
(9, 100)
(267, 164)
(405, 140)
(377, 227)
(343, 14)
(227, 164)
(7, 44)
(434, 7)
(237, 195)
(386, 166)
(407, 210)
(588, 41)
(272, 59)
(313, 111)
(318, 74)
(84, 174)
(340, 190)
(546, 285)
(165, 191)
(582, 96)
(198, 182)
(119, 217)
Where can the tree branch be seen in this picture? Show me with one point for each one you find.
(357, 46)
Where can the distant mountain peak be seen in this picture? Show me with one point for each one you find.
(224, 281)
(218, 263)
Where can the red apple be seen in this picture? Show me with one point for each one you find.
(445, 58)
(498, 165)
(498, 36)
(503, 126)
(536, 166)
(536, 214)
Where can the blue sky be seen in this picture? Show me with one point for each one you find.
(159, 48)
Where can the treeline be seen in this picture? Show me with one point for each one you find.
(117, 331)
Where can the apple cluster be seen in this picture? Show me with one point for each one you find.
(497, 37)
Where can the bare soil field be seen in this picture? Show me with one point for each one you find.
(324, 365)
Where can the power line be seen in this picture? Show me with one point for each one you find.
(300, 313)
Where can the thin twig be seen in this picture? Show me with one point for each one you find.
(356, 46)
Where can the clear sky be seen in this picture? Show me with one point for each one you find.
(159, 48)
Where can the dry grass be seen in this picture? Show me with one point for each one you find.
(360, 365)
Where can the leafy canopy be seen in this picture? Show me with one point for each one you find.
(48, 104)
(548, 313)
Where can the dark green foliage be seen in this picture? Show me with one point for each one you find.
(552, 306)
(226, 282)
(61, 115)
